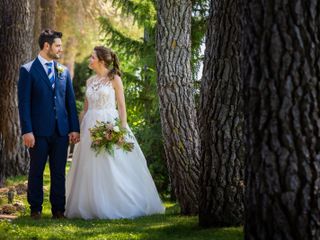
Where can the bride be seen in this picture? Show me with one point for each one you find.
(108, 186)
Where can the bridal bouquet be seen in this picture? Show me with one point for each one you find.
(107, 136)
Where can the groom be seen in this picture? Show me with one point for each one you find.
(49, 121)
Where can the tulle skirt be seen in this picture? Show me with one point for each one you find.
(105, 186)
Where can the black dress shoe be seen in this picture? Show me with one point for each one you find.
(58, 215)
(35, 215)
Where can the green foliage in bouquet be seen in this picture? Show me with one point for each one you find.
(108, 136)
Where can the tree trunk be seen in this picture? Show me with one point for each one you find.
(282, 80)
(177, 106)
(71, 20)
(221, 120)
(48, 14)
(70, 53)
(36, 27)
(16, 37)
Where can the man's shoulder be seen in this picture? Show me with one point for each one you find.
(28, 65)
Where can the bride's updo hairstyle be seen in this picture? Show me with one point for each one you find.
(110, 60)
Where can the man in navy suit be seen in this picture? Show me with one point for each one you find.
(49, 121)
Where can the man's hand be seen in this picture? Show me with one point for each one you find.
(74, 137)
(29, 140)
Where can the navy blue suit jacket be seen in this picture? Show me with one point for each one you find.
(41, 106)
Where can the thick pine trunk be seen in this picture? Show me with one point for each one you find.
(221, 120)
(16, 34)
(282, 82)
(177, 106)
(48, 14)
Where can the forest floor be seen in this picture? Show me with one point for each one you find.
(15, 222)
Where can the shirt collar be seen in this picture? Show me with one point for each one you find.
(43, 61)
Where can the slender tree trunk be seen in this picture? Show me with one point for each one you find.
(221, 120)
(48, 14)
(36, 13)
(177, 107)
(16, 34)
(70, 54)
(282, 82)
(71, 20)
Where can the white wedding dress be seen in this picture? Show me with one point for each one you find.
(105, 186)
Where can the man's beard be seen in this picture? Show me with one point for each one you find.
(53, 55)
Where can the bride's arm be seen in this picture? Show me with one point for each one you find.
(85, 109)
(118, 87)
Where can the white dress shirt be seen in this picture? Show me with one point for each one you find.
(43, 62)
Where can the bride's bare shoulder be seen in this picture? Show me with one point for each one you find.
(116, 82)
(116, 78)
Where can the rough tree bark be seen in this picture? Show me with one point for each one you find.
(48, 14)
(177, 106)
(221, 120)
(282, 81)
(36, 13)
(16, 34)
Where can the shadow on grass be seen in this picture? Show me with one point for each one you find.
(168, 226)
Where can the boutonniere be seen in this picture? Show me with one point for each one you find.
(60, 69)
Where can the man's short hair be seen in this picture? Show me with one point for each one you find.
(48, 35)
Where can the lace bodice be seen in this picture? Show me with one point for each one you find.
(100, 94)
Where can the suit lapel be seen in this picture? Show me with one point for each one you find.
(56, 76)
(55, 71)
(42, 73)
(61, 81)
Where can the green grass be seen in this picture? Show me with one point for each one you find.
(158, 227)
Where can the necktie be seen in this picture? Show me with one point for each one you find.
(50, 73)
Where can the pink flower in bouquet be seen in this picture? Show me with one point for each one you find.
(120, 141)
(109, 126)
(108, 135)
